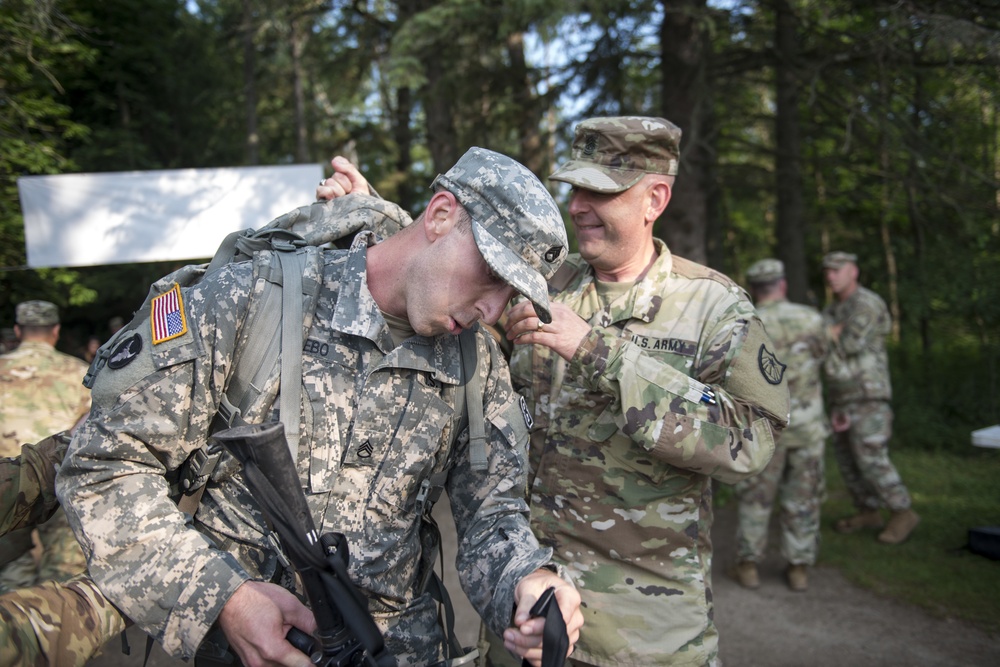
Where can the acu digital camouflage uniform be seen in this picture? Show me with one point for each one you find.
(675, 385)
(858, 383)
(60, 624)
(796, 471)
(41, 393)
(377, 420)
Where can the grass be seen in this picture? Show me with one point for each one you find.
(933, 569)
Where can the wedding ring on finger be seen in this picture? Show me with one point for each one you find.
(541, 326)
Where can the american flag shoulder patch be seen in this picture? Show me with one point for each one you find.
(168, 319)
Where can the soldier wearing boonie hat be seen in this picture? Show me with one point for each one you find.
(623, 386)
(516, 223)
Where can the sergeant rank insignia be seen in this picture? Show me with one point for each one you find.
(168, 320)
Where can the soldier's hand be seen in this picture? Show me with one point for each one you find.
(563, 334)
(345, 180)
(525, 637)
(840, 421)
(256, 619)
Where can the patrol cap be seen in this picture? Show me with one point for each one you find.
(612, 154)
(835, 260)
(516, 223)
(766, 271)
(36, 314)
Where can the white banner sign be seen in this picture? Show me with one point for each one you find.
(148, 216)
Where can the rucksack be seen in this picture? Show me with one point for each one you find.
(297, 239)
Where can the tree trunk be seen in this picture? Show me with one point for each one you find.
(885, 164)
(250, 85)
(298, 37)
(684, 48)
(790, 209)
(532, 149)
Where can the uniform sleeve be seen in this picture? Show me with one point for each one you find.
(496, 547)
(27, 484)
(721, 423)
(153, 404)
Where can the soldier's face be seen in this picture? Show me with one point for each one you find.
(452, 287)
(610, 228)
(841, 279)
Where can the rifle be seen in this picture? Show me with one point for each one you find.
(346, 634)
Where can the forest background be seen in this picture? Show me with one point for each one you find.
(870, 126)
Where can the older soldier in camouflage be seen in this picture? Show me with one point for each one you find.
(654, 377)
(859, 391)
(380, 381)
(796, 471)
(52, 623)
(41, 393)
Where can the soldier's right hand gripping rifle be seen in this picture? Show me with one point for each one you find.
(346, 634)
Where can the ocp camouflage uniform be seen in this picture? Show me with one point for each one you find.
(626, 442)
(377, 420)
(41, 393)
(52, 623)
(858, 383)
(796, 471)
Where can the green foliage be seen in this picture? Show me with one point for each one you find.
(940, 396)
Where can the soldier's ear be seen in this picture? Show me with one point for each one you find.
(441, 215)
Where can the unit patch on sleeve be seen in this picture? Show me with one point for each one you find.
(167, 316)
(772, 369)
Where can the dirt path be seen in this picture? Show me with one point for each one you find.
(834, 624)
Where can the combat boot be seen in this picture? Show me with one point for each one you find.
(746, 574)
(900, 525)
(798, 578)
(865, 519)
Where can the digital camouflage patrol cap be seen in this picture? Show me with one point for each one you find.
(36, 314)
(612, 154)
(835, 260)
(516, 223)
(766, 271)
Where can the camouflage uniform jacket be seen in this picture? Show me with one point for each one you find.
(27, 483)
(624, 449)
(41, 393)
(376, 421)
(858, 366)
(800, 339)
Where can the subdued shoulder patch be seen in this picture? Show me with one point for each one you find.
(772, 369)
(756, 375)
(167, 317)
(125, 352)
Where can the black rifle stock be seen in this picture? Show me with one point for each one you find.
(346, 635)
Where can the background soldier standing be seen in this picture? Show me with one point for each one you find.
(796, 470)
(41, 393)
(859, 391)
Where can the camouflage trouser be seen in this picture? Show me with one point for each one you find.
(61, 557)
(60, 624)
(862, 453)
(795, 476)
